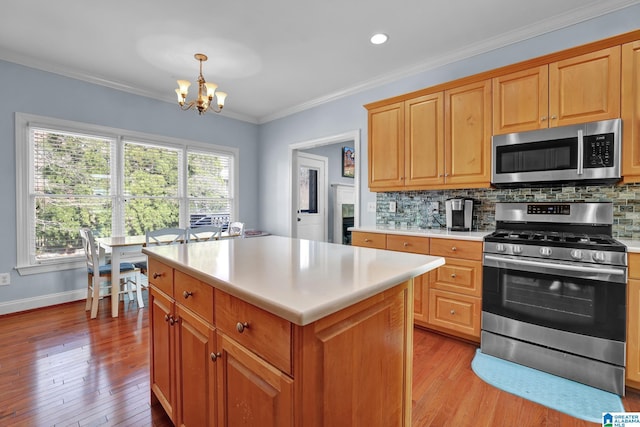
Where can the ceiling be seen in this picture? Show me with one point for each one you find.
(272, 57)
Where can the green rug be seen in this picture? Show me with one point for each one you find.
(561, 394)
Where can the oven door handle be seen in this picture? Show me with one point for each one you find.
(580, 170)
(563, 267)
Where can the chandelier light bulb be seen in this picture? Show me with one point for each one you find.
(206, 92)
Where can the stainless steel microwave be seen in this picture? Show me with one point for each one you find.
(588, 153)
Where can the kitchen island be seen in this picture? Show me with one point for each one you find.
(282, 332)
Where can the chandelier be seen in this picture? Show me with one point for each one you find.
(206, 93)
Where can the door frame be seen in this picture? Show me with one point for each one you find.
(351, 137)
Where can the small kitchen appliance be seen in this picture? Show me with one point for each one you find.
(554, 291)
(459, 213)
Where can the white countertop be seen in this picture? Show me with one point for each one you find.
(633, 246)
(426, 232)
(299, 280)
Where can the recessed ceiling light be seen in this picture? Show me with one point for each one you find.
(379, 38)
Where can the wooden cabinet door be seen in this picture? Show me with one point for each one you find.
(195, 370)
(521, 101)
(161, 324)
(421, 299)
(251, 392)
(386, 147)
(631, 112)
(633, 333)
(468, 135)
(585, 88)
(424, 140)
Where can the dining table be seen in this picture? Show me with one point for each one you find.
(120, 247)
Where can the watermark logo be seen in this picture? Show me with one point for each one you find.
(621, 419)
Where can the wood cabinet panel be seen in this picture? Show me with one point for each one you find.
(386, 147)
(162, 362)
(633, 333)
(467, 135)
(585, 88)
(251, 392)
(521, 101)
(455, 313)
(459, 275)
(631, 112)
(195, 295)
(424, 141)
(369, 240)
(413, 244)
(161, 276)
(466, 249)
(421, 300)
(258, 330)
(195, 371)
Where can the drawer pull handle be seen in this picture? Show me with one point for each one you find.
(453, 249)
(173, 321)
(405, 244)
(453, 312)
(453, 275)
(156, 275)
(187, 294)
(166, 317)
(242, 326)
(215, 356)
(367, 240)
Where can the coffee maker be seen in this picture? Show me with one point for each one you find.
(459, 213)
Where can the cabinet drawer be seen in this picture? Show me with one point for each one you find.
(195, 295)
(263, 333)
(459, 313)
(161, 276)
(369, 240)
(466, 249)
(634, 265)
(459, 275)
(414, 244)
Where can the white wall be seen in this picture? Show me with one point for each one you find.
(348, 113)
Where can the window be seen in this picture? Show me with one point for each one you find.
(72, 175)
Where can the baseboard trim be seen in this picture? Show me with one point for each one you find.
(25, 304)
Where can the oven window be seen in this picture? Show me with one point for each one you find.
(583, 306)
(558, 154)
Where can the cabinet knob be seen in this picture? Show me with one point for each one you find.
(242, 326)
(187, 294)
(215, 356)
(405, 244)
(367, 240)
(453, 275)
(173, 320)
(453, 249)
(156, 275)
(453, 312)
(553, 117)
(543, 118)
(166, 317)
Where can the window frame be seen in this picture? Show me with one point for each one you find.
(25, 214)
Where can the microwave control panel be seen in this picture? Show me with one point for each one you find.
(598, 150)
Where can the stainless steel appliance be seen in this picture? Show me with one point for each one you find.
(588, 153)
(459, 213)
(554, 291)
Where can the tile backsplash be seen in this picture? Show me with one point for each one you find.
(414, 209)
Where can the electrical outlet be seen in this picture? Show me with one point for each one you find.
(5, 279)
(371, 207)
(392, 207)
(433, 207)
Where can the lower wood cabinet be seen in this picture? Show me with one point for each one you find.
(448, 299)
(633, 322)
(249, 367)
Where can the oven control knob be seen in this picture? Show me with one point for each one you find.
(517, 249)
(598, 256)
(500, 247)
(545, 251)
(576, 254)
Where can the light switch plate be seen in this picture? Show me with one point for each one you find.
(371, 207)
(392, 206)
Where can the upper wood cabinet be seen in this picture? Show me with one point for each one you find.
(406, 144)
(631, 112)
(438, 140)
(467, 136)
(581, 89)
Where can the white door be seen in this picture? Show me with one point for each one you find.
(311, 207)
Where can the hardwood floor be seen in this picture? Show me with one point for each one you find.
(60, 368)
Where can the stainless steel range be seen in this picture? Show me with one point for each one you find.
(554, 291)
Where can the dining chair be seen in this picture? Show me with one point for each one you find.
(203, 233)
(236, 229)
(162, 236)
(129, 275)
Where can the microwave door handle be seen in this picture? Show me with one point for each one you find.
(580, 152)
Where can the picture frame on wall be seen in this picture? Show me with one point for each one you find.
(348, 162)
